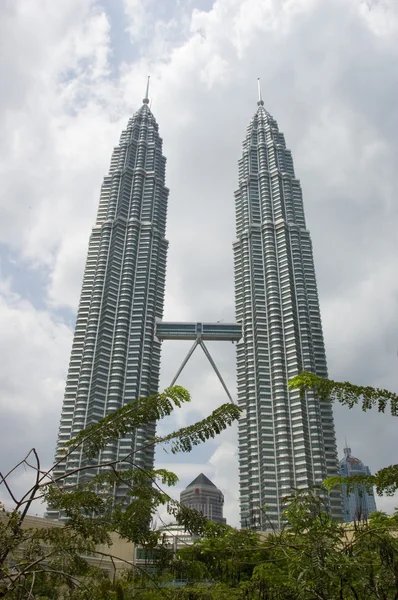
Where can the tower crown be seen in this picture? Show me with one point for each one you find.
(205, 497)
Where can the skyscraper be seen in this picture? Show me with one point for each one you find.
(285, 441)
(359, 502)
(115, 357)
(202, 495)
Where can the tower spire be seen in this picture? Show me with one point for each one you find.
(146, 99)
(260, 99)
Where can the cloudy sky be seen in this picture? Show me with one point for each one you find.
(73, 71)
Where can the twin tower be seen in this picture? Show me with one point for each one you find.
(285, 441)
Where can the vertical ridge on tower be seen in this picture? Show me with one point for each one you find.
(285, 441)
(115, 356)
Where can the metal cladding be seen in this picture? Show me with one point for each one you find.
(115, 356)
(285, 441)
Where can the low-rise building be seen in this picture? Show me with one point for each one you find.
(121, 550)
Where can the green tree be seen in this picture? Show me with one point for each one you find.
(312, 557)
(34, 561)
(348, 394)
(226, 555)
(315, 556)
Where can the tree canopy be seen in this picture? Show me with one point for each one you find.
(55, 556)
(386, 479)
(311, 557)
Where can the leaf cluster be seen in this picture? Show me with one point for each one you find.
(131, 416)
(32, 559)
(312, 557)
(386, 479)
(345, 392)
(186, 438)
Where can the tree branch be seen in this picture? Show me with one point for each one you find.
(345, 392)
(138, 568)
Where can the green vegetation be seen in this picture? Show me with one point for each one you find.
(35, 560)
(385, 480)
(312, 557)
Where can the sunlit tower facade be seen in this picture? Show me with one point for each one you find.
(285, 441)
(115, 355)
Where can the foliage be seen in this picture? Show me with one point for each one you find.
(188, 437)
(131, 416)
(35, 561)
(313, 557)
(385, 481)
(345, 392)
(348, 394)
(228, 558)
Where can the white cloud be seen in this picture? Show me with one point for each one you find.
(138, 17)
(51, 97)
(34, 355)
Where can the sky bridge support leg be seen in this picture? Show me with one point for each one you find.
(213, 364)
(199, 342)
(184, 362)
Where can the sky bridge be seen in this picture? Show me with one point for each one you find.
(199, 332)
(219, 332)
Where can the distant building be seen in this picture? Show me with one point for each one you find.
(358, 503)
(202, 495)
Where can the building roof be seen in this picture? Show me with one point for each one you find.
(201, 480)
(349, 458)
